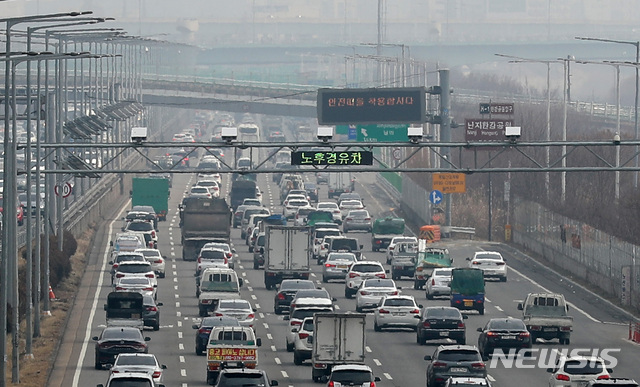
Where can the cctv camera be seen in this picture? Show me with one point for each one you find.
(415, 134)
(138, 134)
(229, 134)
(325, 133)
(512, 132)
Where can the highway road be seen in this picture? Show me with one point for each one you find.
(393, 355)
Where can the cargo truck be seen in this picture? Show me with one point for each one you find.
(467, 289)
(546, 317)
(384, 230)
(286, 254)
(203, 220)
(429, 257)
(231, 347)
(242, 189)
(338, 338)
(340, 182)
(151, 191)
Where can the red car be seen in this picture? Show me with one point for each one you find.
(19, 211)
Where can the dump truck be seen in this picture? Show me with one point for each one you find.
(429, 258)
(203, 220)
(151, 191)
(242, 189)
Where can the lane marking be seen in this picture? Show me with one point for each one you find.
(269, 336)
(367, 349)
(181, 347)
(179, 335)
(183, 372)
(181, 358)
(284, 374)
(273, 348)
(377, 362)
(277, 360)
(386, 375)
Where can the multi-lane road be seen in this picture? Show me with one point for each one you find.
(393, 355)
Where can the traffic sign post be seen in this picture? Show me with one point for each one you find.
(375, 132)
(65, 191)
(449, 182)
(436, 197)
(496, 108)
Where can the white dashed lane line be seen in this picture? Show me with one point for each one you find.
(377, 362)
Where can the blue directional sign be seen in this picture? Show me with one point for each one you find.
(353, 130)
(435, 196)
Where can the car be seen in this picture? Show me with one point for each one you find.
(372, 290)
(291, 207)
(454, 360)
(300, 218)
(135, 269)
(252, 202)
(139, 362)
(204, 328)
(340, 244)
(311, 297)
(349, 205)
(360, 271)
(253, 222)
(212, 185)
(393, 243)
(461, 381)
(138, 379)
(210, 257)
(209, 176)
(295, 318)
(237, 215)
(287, 291)
(125, 257)
(234, 377)
(116, 340)
(258, 250)
(151, 314)
(439, 284)
(577, 371)
(145, 227)
(441, 322)
(135, 284)
(620, 382)
(312, 191)
(349, 196)
(246, 215)
(156, 260)
(357, 220)
(238, 308)
(318, 236)
(353, 375)
(504, 333)
(337, 265)
(230, 251)
(398, 311)
(331, 207)
(150, 213)
(302, 346)
(200, 192)
(322, 177)
(491, 263)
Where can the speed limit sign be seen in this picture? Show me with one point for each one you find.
(397, 153)
(66, 190)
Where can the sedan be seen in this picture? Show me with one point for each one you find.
(139, 362)
(230, 251)
(200, 192)
(441, 322)
(135, 269)
(372, 291)
(212, 185)
(151, 314)
(360, 271)
(204, 328)
(331, 207)
(491, 263)
(357, 220)
(292, 207)
(503, 333)
(156, 260)
(287, 291)
(240, 309)
(135, 284)
(337, 265)
(396, 311)
(577, 371)
(116, 340)
(439, 284)
(349, 205)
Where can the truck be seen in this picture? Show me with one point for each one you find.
(403, 260)
(125, 309)
(340, 182)
(214, 284)
(546, 317)
(203, 220)
(242, 189)
(383, 231)
(467, 289)
(429, 258)
(231, 346)
(286, 254)
(338, 338)
(151, 191)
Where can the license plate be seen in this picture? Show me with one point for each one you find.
(342, 266)
(551, 329)
(398, 314)
(458, 370)
(508, 337)
(583, 384)
(468, 303)
(444, 334)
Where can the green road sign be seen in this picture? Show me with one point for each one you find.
(377, 132)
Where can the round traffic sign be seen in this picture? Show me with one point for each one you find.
(66, 190)
(397, 153)
(435, 196)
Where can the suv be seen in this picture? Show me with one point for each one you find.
(145, 227)
(137, 379)
(303, 344)
(360, 271)
(318, 236)
(621, 382)
(467, 382)
(357, 375)
(231, 377)
(441, 322)
(454, 360)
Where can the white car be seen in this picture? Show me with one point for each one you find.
(200, 192)
(491, 263)
(360, 271)
(577, 371)
(222, 246)
(318, 236)
(295, 318)
(337, 265)
(292, 206)
(211, 257)
(439, 284)
(393, 242)
(138, 362)
(396, 311)
(156, 260)
(211, 176)
(348, 205)
(213, 186)
(372, 290)
(140, 285)
(333, 208)
(238, 308)
(135, 269)
(303, 346)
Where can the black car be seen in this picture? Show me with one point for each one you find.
(454, 360)
(233, 377)
(258, 250)
(116, 340)
(286, 292)
(503, 333)
(312, 191)
(441, 322)
(151, 314)
(204, 328)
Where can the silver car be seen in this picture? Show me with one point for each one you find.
(372, 291)
(439, 284)
(240, 309)
(139, 362)
(396, 311)
(357, 220)
(337, 265)
(136, 284)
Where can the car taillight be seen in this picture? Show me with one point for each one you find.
(226, 261)
(150, 275)
(153, 234)
(426, 324)
(119, 288)
(119, 275)
(353, 275)
(475, 263)
(439, 364)
(199, 259)
(204, 330)
(383, 311)
(159, 260)
(206, 302)
(563, 377)
(115, 265)
(603, 377)
(156, 374)
(303, 336)
(349, 219)
(229, 255)
(492, 334)
(381, 275)
(364, 292)
(478, 366)
(296, 323)
(148, 289)
(565, 328)
(415, 311)
(500, 263)
(378, 241)
(219, 314)
(329, 265)
(336, 211)
(395, 293)
(152, 308)
(535, 328)
(524, 334)
(331, 384)
(251, 315)
(433, 282)
(460, 324)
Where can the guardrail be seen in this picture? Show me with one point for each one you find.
(449, 231)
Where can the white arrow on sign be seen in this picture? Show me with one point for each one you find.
(364, 132)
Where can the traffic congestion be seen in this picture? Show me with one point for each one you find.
(300, 278)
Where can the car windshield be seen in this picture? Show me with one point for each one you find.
(300, 314)
(342, 257)
(459, 355)
(442, 272)
(399, 302)
(130, 382)
(359, 213)
(327, 205)
(140, 226)
(351, 377)
(312, 293)
(322, 233)
(583, 367)
(212, 254)
(119, 333)
(242, 380)
(151, 253)
(136, 360)
(507, 324)
(234, 304)
(129, 257)
(134, 268)
(345, 244)
(443, 312)
(379, 283)
(296, 285)
(367, 268)
(493, 257)
(199, 190)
